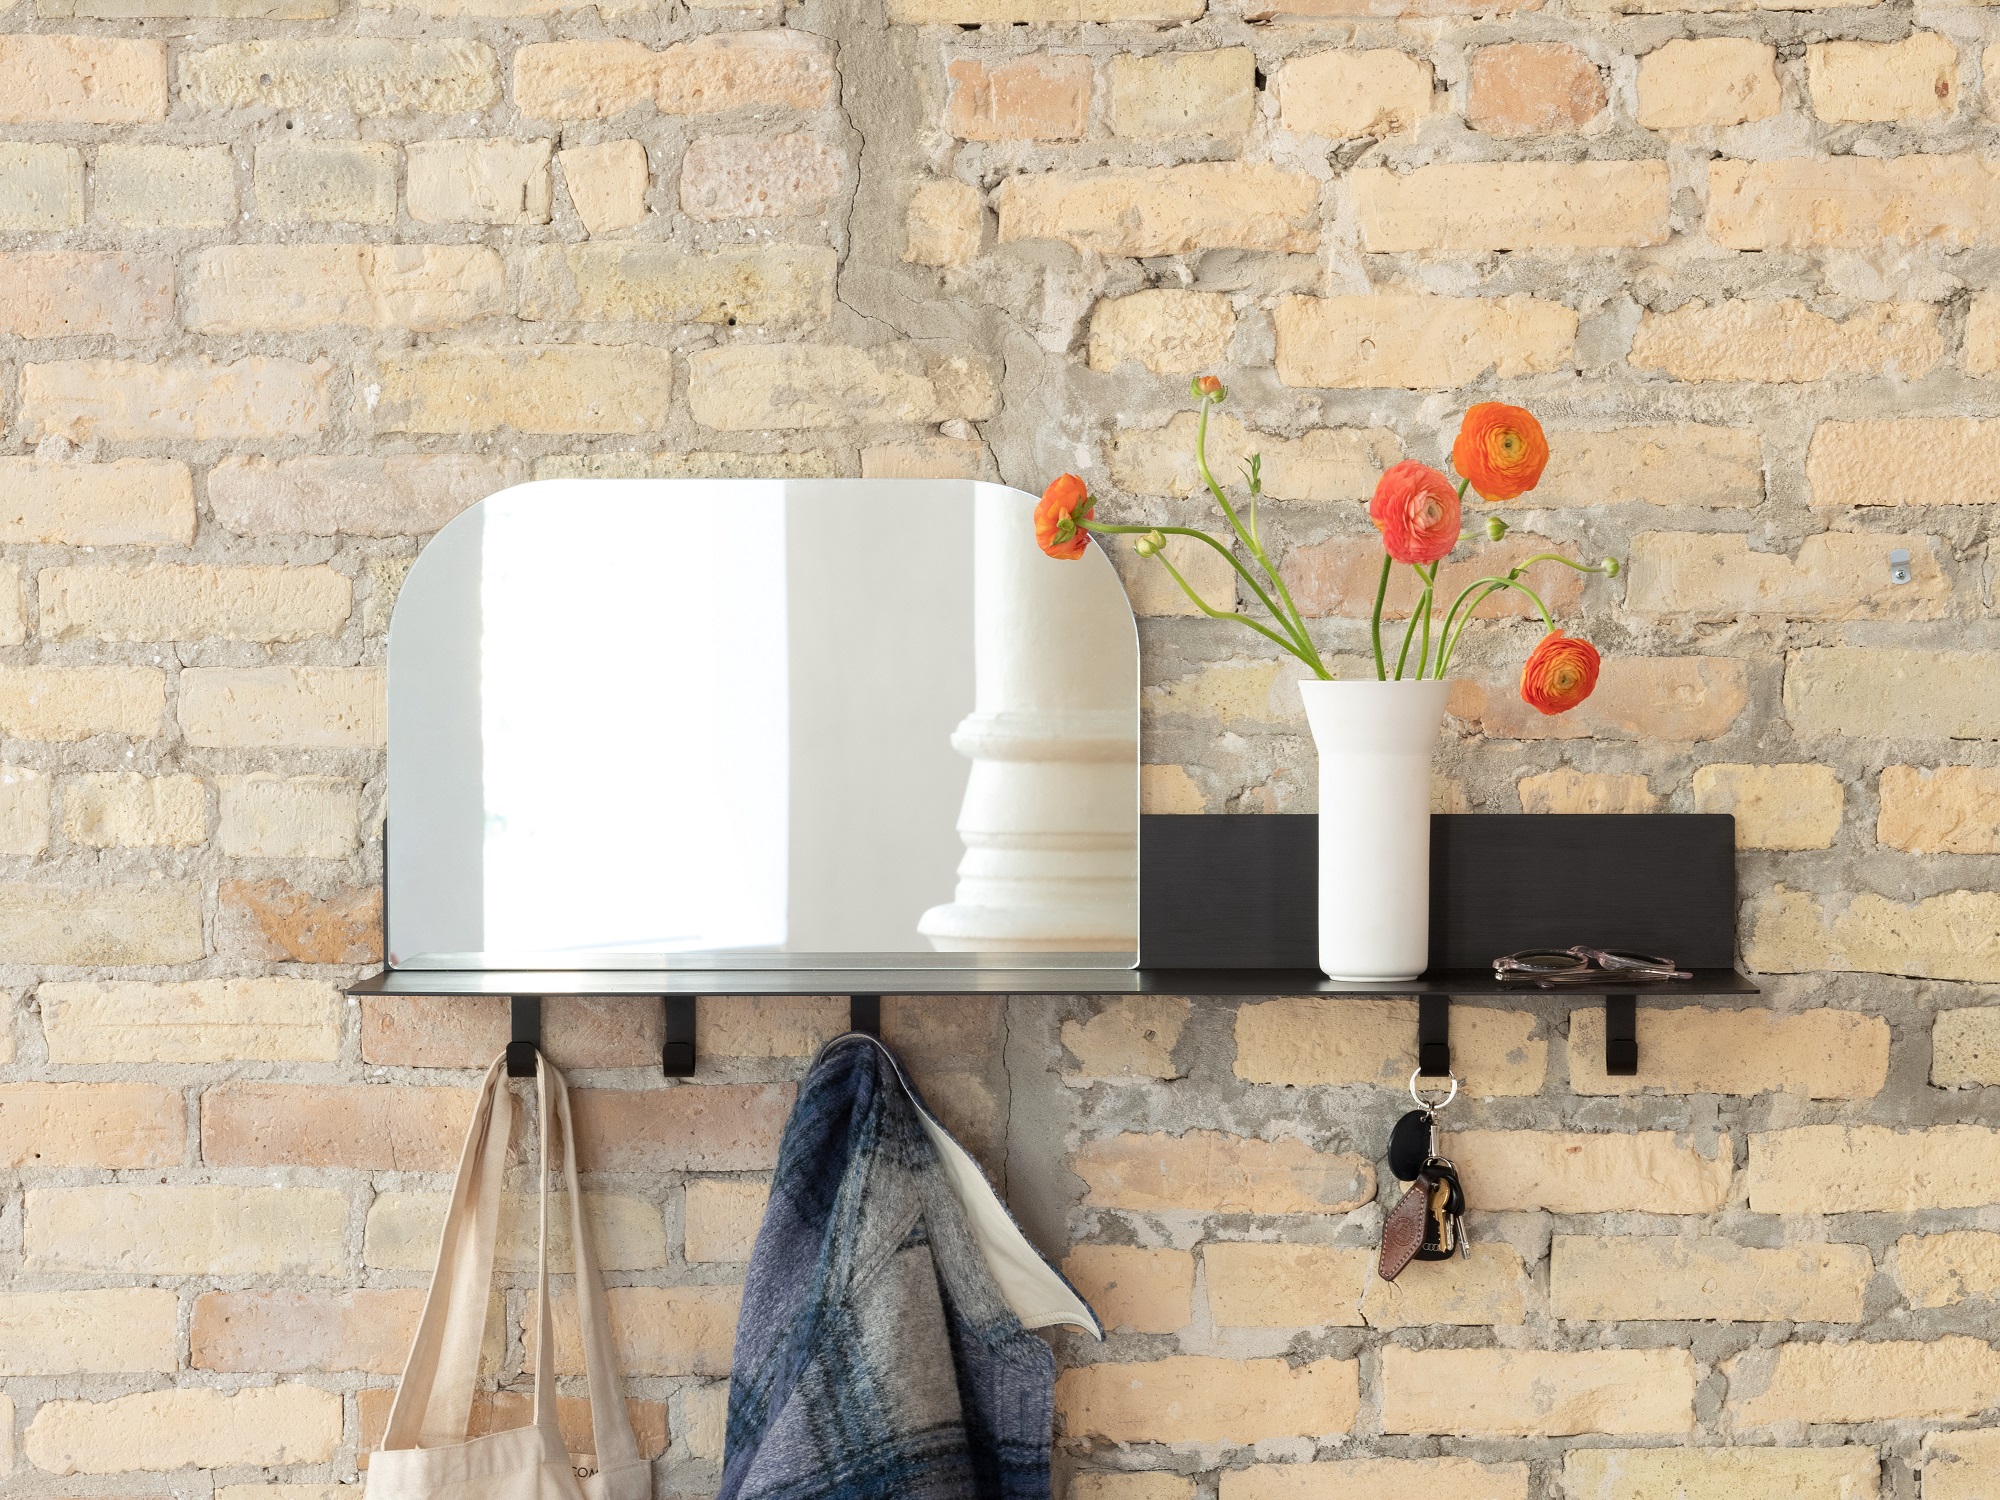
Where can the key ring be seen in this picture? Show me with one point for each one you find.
(1422, 1102)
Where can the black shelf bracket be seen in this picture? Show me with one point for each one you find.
(864, 1014)
(1621, 1036)
(526, 1037)
(677, 1037)
(1434, 1036)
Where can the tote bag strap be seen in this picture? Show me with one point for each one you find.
(611, 1423)
(433, 1404)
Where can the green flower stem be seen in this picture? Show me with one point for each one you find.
(1421, 609)
(1318, 668)
(1496, 584)
(1289, 617)
(1375, 620)
(1424, 656)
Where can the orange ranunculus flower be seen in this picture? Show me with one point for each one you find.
(1065, 503)
(1501, 449)
(1416, 510)
(1559, 673)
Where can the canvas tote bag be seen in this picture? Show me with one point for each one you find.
(425, 1453)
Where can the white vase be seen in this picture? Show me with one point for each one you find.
(1375, 741)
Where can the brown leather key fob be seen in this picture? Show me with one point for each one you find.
(1403, 1229)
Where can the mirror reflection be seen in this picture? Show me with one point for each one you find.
(760, 724)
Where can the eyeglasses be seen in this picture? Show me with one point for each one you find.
(1548, 967)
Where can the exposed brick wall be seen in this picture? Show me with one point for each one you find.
(285, 284)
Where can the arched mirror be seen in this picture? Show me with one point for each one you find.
(745, 724)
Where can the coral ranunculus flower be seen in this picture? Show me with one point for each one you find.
(1559, 673)
(1501, 449)
(1064, 503)
(1416, 510)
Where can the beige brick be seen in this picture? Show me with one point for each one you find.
(1567, 791)
(1937, 1270)
(303, 708)
(1965, 1047)
(741, 387)
(1950, 936)
(814, 463)
(57, 294)
(1982, 320)
(264, 816)
(305, 1333)
(161, 1430)
(1129, 1037)
(551, 388)
(722, 1218)
(24, 810)
(166, 603)
(199, 1021)
(1940, 810)
(401, 1129)
(300, 288)
(217, 10)
(81, 80)
(1184, 94)
(1853, 202)
(1206, 1171)
(1412, 341)
(1342, 577)
(1152, 589)
(1163, 210)
(13, 610)
(943, 225)
(128, 1229)
(629, 1235)
(607, 184)
(1961, 1465)
(1904, 694)
(1345, 95)
(1044, 96)
(175, 187)
(1817, 1054)
(276, 920)
(253, 397)
(621, 282)
(1676, 698)
(1776, 807)
(657, 1330)
(54, 1125)
(1629, 1278)
(41, 186)
(1053, 12)
(1371, 1478)
(386, 576)
(769, 1025)
(344, 75)
(1326, 465)
(1169, 332)
(1129, 1485)
(703, 1419)
(129, 502)
(577, 1032)
(1647, 1171)
(1231, 691)
(1721, 80)
(479, 181)
(1532, 88)
(1537, 1393)
(1861, 1381)
(155, 923)
(715, 74)
(409, 494)
(125, 810)
(694, 1128)
(75, 703)
(1194, 1400)
(326, 182)
(1513, 205)
(1786, 341)
(1837, 1169)
(1681, 465)
(1310, 1286)
(1134, 1290)
(1849, 1472)
(1914, 79)
(928, 458)
(1170, 789)
(117, 1331)
(1835, 576)
(1314, 1042)
(1914, 461)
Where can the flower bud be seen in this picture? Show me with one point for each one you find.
(1612, 567)
(1495, 528)
(1207, 388)
(1150, 545)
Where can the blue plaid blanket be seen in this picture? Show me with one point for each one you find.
(875, 1357)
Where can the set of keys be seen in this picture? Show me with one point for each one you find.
(1428, 1221)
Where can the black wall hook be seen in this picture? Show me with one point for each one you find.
(864, 1014)
(677, 1056)
(526, 1036)
(1621, 1036)
(1434, 1036)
